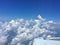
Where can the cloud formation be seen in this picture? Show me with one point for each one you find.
(22, 32)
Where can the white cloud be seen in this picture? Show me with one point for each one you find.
(3, 39)
(21, 31)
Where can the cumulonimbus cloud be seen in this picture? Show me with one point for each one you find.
(22, 32)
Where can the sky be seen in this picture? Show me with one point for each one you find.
(27, 9)
(21, 21)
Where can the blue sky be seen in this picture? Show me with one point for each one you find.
(27, 9)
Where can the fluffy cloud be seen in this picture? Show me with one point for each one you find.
(23, 32)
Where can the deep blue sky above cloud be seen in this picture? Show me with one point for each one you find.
(27, 9)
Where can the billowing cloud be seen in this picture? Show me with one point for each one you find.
(22, 32)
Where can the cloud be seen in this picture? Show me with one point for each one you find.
(22, 32)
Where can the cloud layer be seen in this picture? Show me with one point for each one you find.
(22, 32)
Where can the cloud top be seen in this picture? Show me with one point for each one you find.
(22, 32)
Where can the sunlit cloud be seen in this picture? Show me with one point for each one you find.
(22, 32)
